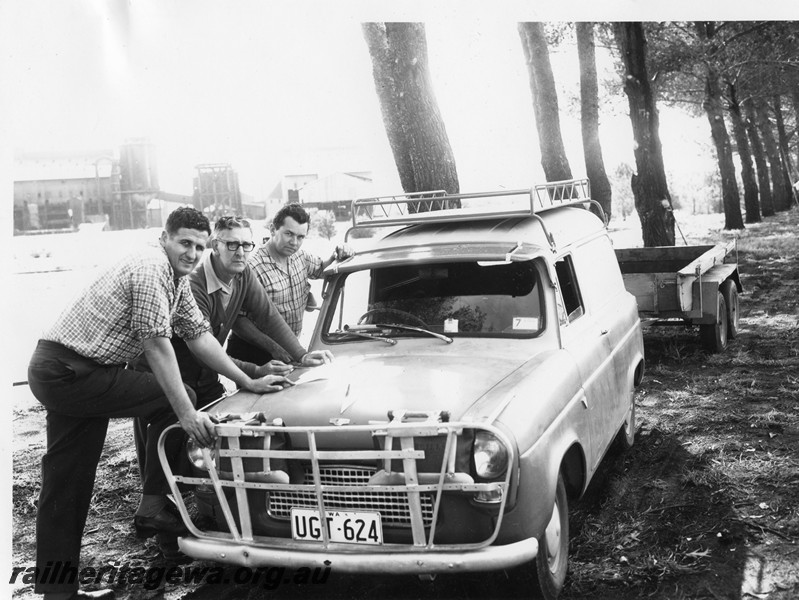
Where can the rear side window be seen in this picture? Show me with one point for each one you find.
(599, 272)
(570, 297)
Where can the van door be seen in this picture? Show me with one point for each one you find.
(614, 311)
(582, 337)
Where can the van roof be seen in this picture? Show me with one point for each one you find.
(487, 239)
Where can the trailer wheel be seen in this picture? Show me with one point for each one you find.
(714, 335)
(730, 291)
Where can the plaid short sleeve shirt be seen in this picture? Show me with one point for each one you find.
(288, 289)
(128, 303)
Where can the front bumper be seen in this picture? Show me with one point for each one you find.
(489, 558)
(420, 476)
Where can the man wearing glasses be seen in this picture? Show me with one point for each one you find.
(223, 285)
(284, 270)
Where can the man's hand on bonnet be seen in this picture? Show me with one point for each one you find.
(316, 358)
(273, 367)
(269, 384)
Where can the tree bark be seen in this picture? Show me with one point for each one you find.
(795, 96)
(589, 112)
(751, 201)
(763, 179)
(784, 150)
(415, 129)
(729, 186)
(650, 190)
(781, 199)
(714, 109)
(545, 102)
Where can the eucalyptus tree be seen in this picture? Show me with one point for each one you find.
(780, 194)
(795, 97)
(649, 186)
(784, 150)
(759, 153)
(714, 108)
(745, 153)
(589, 113)
(762, 58)
(413, 121)
(545, 101)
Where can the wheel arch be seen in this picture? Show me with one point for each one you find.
(573, 468)
(638, 373)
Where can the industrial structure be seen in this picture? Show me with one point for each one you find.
(59, 191)
(216, 190)
(119, 189)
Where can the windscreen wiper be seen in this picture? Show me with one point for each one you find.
(440, 336)
(369, 336)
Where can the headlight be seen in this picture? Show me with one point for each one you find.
(490, 455)
(195, 454)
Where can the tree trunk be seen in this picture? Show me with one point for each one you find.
(410, 111)
(650, 190)
(784, 149)
(763, 180)
(589, 112)
(795, 96)
(751, 201)
(781, 199)
(545, 102)
(721, 139)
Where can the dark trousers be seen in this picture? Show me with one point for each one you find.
(238, 348)
(80, 396)
(207, 388)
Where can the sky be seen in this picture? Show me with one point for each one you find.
(276, 87)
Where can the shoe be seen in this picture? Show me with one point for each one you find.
(168, 545)
(163, 522)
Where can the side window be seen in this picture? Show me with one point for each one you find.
(599, 273)
(569, 290)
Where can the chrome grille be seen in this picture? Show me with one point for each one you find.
(392, 506)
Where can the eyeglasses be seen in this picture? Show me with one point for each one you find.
(234, 246)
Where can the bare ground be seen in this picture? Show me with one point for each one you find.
(705, 505)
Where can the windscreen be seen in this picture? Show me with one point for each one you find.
(465, 298)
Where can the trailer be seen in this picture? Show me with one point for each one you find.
(686, 285)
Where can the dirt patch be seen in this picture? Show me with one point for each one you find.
(705, 505)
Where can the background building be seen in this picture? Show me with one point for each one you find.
(59, 191)
(334, 192)
(119, 189)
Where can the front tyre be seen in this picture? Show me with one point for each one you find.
(553, 548)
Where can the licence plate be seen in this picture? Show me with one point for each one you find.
(342, 526)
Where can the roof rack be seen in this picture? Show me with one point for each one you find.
(438, 206)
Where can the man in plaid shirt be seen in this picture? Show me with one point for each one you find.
(78, 372)
(284, 269)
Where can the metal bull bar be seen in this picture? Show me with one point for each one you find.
(403, 427)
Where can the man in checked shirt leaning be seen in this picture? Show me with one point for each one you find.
(78, 373)
(284, 269)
